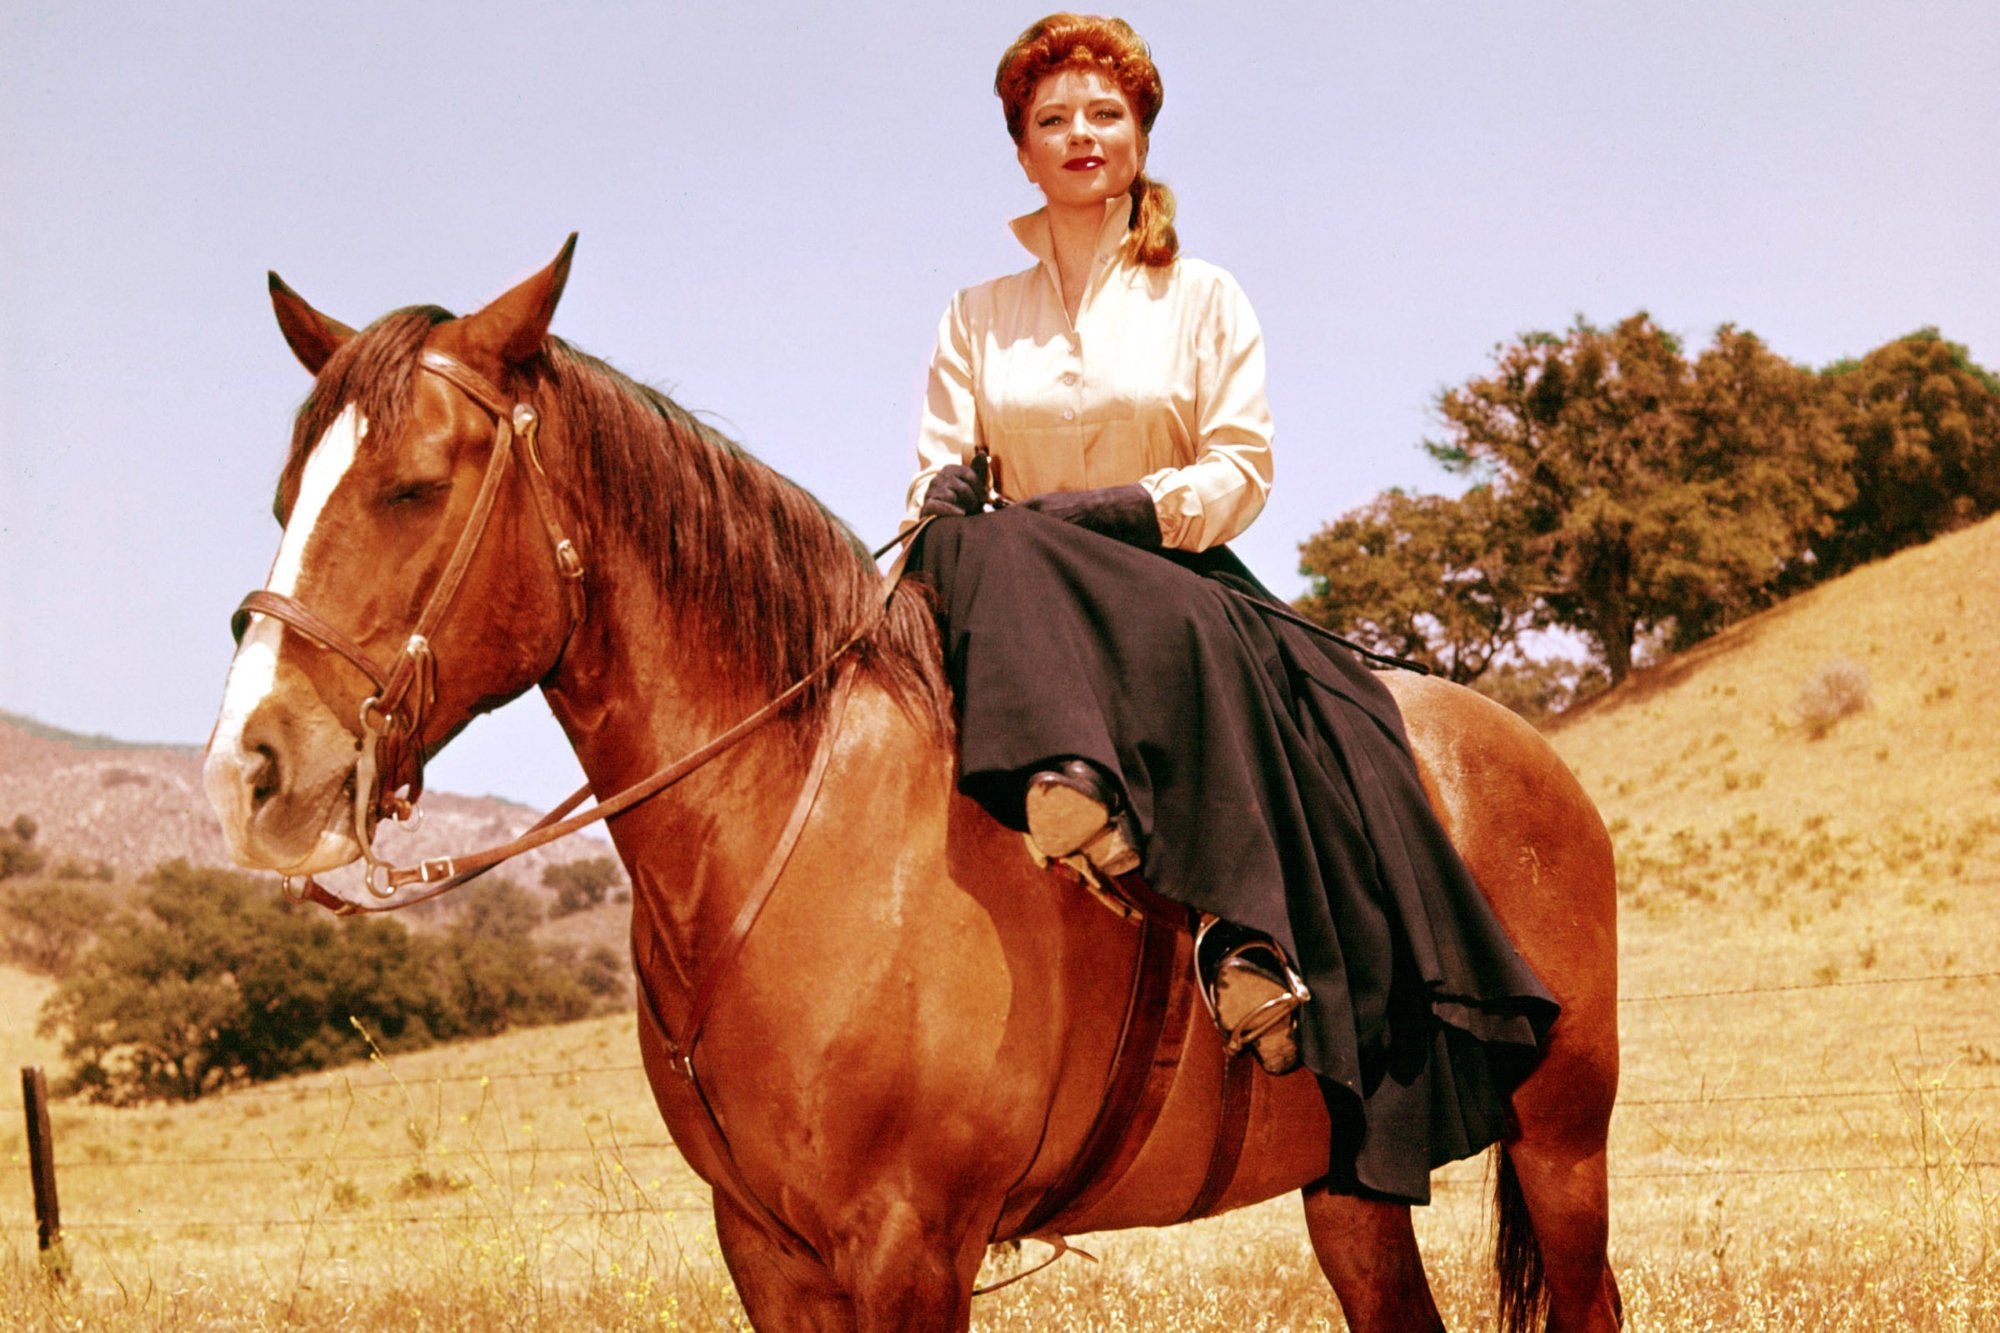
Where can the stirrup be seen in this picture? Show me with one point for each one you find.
(1252, 992)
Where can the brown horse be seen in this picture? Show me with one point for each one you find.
(904, 1056)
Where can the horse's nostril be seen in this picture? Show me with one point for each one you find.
(262, 770)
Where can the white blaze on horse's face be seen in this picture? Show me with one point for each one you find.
(325, 470)
(278, 762)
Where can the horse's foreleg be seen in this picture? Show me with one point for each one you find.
(783, 1291)
(887, 1269)
(1368, 1251)
(905, 1269)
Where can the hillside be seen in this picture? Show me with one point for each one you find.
(1711, 736)
(1805, 925)
(132, 806)
(1712, 782)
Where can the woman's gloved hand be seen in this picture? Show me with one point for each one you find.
(1123, 512)
(955, 490)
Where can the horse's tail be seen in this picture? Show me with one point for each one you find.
(1517, 1255)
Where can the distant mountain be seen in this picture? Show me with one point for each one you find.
(132, 806)
(43, 731)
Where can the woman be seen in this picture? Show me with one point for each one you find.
(1128, 693)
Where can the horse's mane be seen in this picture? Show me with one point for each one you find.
(753, 564)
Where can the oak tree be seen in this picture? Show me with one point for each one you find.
(1923, 422)
(1653, 493)
(1438, 580)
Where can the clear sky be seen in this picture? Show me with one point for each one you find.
(777, 200)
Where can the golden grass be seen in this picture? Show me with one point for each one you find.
(21, 996)
(1710, 737)
(1805, 1147)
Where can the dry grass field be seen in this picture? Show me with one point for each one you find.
(1805, 1140)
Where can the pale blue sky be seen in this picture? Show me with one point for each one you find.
(776, 201)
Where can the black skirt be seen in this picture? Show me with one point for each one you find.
(1272, 783)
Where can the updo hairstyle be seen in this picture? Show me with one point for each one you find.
(1111, 47)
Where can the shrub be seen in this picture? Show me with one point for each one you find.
(496, 976)
(44, 927)
(216, 979)
(580, 885)
(1836, 690)
(18, 854)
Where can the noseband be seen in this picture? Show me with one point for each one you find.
(391, 718)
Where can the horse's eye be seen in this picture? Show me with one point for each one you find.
(416, 493)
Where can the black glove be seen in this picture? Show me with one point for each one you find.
(955, 490)
(1123, 512)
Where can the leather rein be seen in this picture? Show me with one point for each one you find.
(392, 718)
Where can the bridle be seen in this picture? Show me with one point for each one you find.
(392, 718)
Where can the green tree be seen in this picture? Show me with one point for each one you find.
(600, 971)
(215, 979)
(583, 884)
(1765, 467)
(1653, 493)
(1923, 422)
(495, 974)
(1440, 581)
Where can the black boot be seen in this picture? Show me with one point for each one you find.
(1073, 809)
(1252, 992)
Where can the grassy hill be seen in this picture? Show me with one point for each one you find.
(1723, 800)
(521, 1181)
(1811, 1054)
(1713, 737)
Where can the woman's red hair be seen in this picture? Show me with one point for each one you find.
(1110, 46)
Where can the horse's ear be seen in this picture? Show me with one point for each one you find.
(510, 329)
(314, 337)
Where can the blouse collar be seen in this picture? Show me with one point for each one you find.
(1032, 231)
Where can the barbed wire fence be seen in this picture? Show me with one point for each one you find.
(659, 1201)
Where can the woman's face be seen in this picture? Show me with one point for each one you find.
(1081, 143)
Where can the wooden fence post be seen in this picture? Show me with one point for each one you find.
(42, 1165)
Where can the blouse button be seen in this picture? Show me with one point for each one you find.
(1068, 414)
(1069, 377)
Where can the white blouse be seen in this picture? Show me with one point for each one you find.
(1160, 380)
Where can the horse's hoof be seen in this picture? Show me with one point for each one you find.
(1072, 810)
